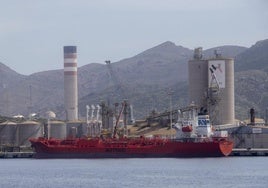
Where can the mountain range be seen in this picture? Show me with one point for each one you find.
(149, 81)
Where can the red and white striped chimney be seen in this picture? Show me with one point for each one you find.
(70, 83)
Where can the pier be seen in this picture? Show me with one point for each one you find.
(249, 152)
(17, 154)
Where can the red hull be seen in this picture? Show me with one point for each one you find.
(129, 148)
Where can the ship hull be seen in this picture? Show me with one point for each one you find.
(122, 149)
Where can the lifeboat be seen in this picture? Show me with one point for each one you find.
(187, 128)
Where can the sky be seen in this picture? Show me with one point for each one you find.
(33, 32)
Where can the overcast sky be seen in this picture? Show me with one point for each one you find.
(33, 32)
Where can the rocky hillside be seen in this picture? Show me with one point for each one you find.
(254, 58)
(10, 85)
(145, 80)
(251, 80)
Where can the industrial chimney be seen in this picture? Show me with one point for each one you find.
(70, 83)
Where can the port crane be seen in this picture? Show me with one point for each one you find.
(121, 94)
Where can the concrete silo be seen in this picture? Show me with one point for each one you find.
(70, 83)
(8, 133)
(211, 86)
(26, 130)
(57, 129)
(198, 79)
(222, 111)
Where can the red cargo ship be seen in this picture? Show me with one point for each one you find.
(130, 148)
(197, 141)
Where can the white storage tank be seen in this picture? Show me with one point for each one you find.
(8, 133)
(26, 130)
(58, 129)
(80, 127)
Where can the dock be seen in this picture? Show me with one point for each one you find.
(17, 154)
(249, 152)
(237, 152)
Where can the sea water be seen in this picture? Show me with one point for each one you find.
(132, 173)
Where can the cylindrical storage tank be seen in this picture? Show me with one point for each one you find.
(224, 72)
(73, 132)
(70, 83)
(26, 130)
(8, 133)
(84, 132)
(198, 84)
(79, 127)
(57, 129)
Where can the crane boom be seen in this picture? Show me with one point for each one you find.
(115, 79)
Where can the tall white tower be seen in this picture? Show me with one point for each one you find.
(223, 111)
(70, 83)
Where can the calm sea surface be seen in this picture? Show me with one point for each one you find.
(128, 173)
